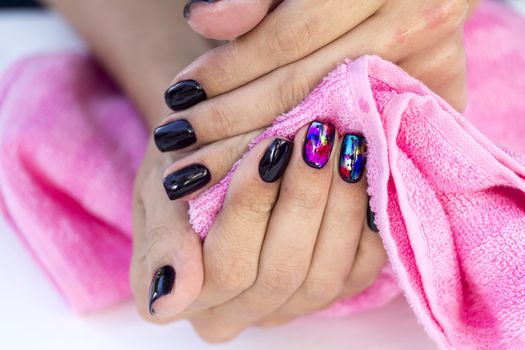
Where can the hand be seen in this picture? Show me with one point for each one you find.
(243, 85)
(278, 249)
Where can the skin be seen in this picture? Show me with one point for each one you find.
(286, 60)
(141, 46)
(254, 269)
(245, 273)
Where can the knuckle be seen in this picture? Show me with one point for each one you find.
(249, 205)
(293, 88)
(158, 238)
(223, 122)
(227, 74)
(231, 274)
(289, 39)
(210, 68)
(322, 290)
(301, 199)
(279, 281)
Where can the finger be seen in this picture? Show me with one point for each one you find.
(443, 69)
(338, 238)
(193, 174)
(370, 259)
(166, 270)
(288, 245)
(225, 19)
(232, 247)
(229, 114)
(284, 36)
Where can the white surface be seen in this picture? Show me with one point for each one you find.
(33, 314)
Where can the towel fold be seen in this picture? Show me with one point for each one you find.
(449, 203)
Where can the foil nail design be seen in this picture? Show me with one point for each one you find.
(318, 144)
(353, 158)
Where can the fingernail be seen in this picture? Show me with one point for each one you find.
(174, 136)
(353, 158)
(187, 7)
(184, 94)
(318, 144)
(275, 160)
(161, 285)
(186, 181)
(371, 219)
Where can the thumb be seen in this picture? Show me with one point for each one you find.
(226, 19)
(167, 269)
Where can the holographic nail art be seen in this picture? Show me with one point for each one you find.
(318, 144)
(353, 158)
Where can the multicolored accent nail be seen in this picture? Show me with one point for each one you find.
(318, 144)
(353, 158)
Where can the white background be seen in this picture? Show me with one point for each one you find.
(34, 316)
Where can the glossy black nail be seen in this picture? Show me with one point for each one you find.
(371, 219)
(161, 285)
(275, 160)
(186, 181)
(174, 136)
(187, 7)
(184, 94)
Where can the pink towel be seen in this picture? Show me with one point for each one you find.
(450, 204)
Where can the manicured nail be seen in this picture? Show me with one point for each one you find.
(161, 285)
(186, 181)
(174, 136)
(353, 158)
(371, 219)
(187, 7)
(275, 160)
(184, 94)
(318, 144)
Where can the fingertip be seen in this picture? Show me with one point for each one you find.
(177, 283)
(225, 19)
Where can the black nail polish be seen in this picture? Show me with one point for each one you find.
(187, 7)
(371, 219)
(161, 285)
(174, 136)
(184, 94)
(186, 181)
(275, 160)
